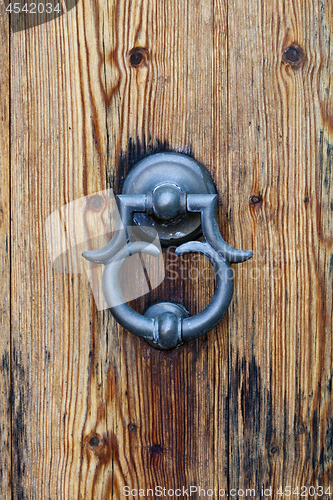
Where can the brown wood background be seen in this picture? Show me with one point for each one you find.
(86, 408)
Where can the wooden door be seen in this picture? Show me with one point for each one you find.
(87, 408)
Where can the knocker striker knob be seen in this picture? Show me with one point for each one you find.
(173, 195)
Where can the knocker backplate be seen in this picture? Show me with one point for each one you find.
(175, 169)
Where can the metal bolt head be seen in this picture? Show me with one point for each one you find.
(166, 202)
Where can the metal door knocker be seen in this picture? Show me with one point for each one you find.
(173, 195)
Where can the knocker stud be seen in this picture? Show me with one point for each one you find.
(173, 195)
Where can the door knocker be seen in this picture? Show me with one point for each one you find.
(175, 196)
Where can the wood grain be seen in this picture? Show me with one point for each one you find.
(52, 312)
(99, 408)
(5, 382)
(281, 322)
(157, 411)
(94, 408)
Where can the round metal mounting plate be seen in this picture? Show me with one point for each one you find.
(169, 168)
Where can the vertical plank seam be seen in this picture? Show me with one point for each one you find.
(215, 52)
(10, 255)
(216, 337)
(228, 317)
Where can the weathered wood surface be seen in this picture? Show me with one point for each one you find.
(5, 413)
(280, 154)
(99, 408)
(94, 408)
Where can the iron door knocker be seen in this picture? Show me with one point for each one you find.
(175, 196)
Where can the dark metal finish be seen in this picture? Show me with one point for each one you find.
(169, 202)
(176, 170)
(167, 342)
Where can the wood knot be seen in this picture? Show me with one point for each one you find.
(93, 441)
(156, 450)
(273, 450)
(293, 56)
(95, 203)
(256, 199)
(101, 447)
(138, 57)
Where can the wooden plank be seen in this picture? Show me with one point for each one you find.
(52, 311)
(155, 421)
(280, 138)
(95, 408)
(219, 170)
(5, 385)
